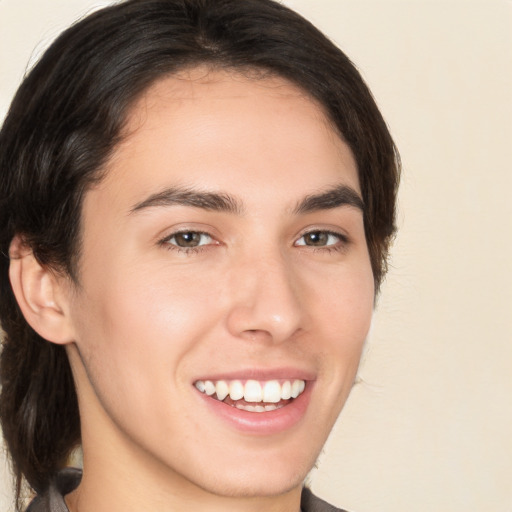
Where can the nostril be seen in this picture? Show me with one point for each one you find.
(257, 334)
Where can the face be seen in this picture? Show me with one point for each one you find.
(225, 288)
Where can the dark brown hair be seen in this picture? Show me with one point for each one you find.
(67, 117)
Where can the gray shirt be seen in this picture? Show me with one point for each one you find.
(68, 479)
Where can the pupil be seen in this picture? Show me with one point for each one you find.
(316, 238)
(189, 239)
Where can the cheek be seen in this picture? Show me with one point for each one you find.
(138, 334)
(142, 320)
(344, 303)
(343, 311)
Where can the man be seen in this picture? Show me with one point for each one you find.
(197, 220)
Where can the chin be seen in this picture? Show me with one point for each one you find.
(256, 477)
(245, 486)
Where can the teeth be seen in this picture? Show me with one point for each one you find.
(258, 408)
(236, 390)
(222, 390)
(252, 392)
(209, 387)
(270, 392)
(286, 390)
(297, 388)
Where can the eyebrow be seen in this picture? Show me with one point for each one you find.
(341, 195)
(213, 201)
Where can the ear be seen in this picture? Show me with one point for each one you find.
(42, 295)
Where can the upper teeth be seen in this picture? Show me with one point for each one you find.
(271, 391)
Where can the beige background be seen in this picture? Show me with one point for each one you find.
(429, 427)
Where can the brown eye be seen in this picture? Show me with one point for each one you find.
(189, 239)
(320, 239)
(317, 238)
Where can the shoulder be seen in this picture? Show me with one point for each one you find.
(310, 503)
(53, 499)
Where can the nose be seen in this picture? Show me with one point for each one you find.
(266, 301)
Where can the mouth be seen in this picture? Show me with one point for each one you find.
(252, 395)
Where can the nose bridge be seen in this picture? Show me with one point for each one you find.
(266, 297)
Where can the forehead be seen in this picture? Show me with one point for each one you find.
(212, 127)
(206, 86)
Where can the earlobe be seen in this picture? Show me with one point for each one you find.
(40, 293)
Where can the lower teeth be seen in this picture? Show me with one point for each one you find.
(258, 408)
(254, 406)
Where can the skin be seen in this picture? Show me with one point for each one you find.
(149, 318)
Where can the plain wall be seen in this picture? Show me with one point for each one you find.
(428, 428)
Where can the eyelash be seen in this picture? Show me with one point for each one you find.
(185, 250)
(341, 245)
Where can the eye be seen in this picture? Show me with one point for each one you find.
(188, 239)
(321, 239)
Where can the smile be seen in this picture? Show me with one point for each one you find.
(253, 395)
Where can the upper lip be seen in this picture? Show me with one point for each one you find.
(261, 374)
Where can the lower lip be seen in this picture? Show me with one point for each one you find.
(262, 423)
